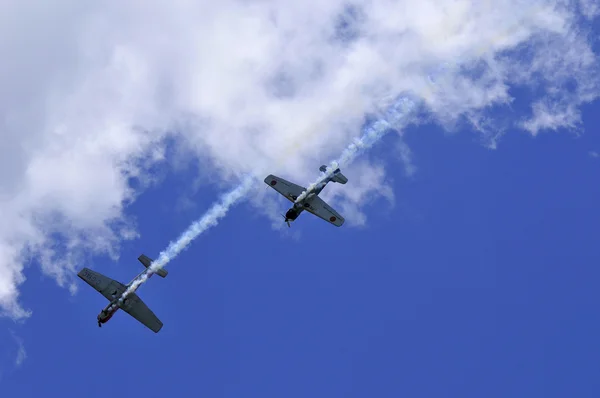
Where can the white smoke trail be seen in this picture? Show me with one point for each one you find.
(393, 117)
(396, 114)
(209, 219)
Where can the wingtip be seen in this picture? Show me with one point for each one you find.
(80, 273)
(159, 328)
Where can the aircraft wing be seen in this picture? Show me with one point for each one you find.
(134, 306)
(108, 287)
(321, 209)
(288, 189)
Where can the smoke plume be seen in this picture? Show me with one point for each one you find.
(94, 96)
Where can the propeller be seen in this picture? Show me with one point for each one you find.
(286, 220)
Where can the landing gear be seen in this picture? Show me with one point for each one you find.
(99, 324)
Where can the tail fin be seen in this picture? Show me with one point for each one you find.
(146, 261)
(337, 175)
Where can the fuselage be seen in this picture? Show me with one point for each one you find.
(299, 207)
(108, 312)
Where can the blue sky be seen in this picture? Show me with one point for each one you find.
(480, 281)
(473, 276)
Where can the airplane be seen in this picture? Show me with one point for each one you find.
(312, 202)
(113, 291)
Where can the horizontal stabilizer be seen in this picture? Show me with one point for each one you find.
(337, 175)
(146, 261)
(339, 178)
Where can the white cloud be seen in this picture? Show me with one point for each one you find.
(552, 117)
(366, 183)
(406, 156)
(590, 8)
(90, 95)
(594, 154)
(21, 353)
